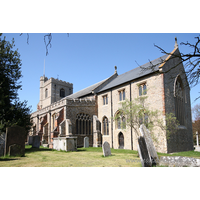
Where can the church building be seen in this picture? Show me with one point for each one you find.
(91, 112)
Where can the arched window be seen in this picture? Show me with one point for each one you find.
(179, 95)
(83, 124)
(123, 122)
(105, 126)
(46, 93)
(62, 92)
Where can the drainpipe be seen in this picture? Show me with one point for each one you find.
(111, 119)
(131, 118)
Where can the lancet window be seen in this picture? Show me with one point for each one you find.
(105, 126)
(179, 95)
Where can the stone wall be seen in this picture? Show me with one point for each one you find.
(182, 140)
(154, 101)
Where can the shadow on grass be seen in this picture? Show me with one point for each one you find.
(31, 150)
(7, 159)
(81, 149)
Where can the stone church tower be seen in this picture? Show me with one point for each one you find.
(52, 90)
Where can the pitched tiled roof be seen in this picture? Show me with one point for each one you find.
(85, 91)
(134, 73)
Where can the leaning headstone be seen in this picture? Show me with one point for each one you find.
(106, 149)
(143, 153)
(36, 141)
(86, 142)
(149, 143)
(16, 150)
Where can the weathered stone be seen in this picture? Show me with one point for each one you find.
(106, 149)
(86, 142)
(16, 150)
(179, 161)
(36, 141)
(14, 135)
(65, 143)
(149, 143)
(143, 152)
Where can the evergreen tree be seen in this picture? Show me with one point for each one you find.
(12, 111)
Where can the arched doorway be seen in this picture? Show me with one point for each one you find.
(121, 140)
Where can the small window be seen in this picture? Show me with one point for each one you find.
(62, 92)
(105, 126)
(142, 89)
(105, 100)
(46, 93)
(122, 95)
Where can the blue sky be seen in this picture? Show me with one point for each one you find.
(85, 59)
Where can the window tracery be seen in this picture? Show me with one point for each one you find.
(179, 95)
(83, 124)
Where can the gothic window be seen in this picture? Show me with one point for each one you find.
(62, 92)
(105, 100)
(46, 93)
(119, 123)
(123, 122)
(105, 126)
(122, 95)
(83, 124)
(179, 100)
(142, 89)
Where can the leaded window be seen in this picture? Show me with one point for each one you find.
(105, 126)
(122, 95)
(83, 124)
(142, 89)
(179, 95)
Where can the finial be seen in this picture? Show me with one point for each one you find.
(115, 69)
(176, 44)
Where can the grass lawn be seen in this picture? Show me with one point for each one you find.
(84, 157)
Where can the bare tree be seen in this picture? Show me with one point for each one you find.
(190, 60)
(47, 41)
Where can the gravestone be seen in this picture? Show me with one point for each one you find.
(1, 150)
(86, 142)
(30, 140)
(149, 143)
(36, 141)
(2, 143)
(16, 150)
(15, 135)
(143, 152)
(106, 149)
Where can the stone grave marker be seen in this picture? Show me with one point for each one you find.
(86, 142)
(143, 153)
(106, 149)
(2, 143)
(36, 141)
(15, 135)
(149, 143)
(30, 140)
(16, 150)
